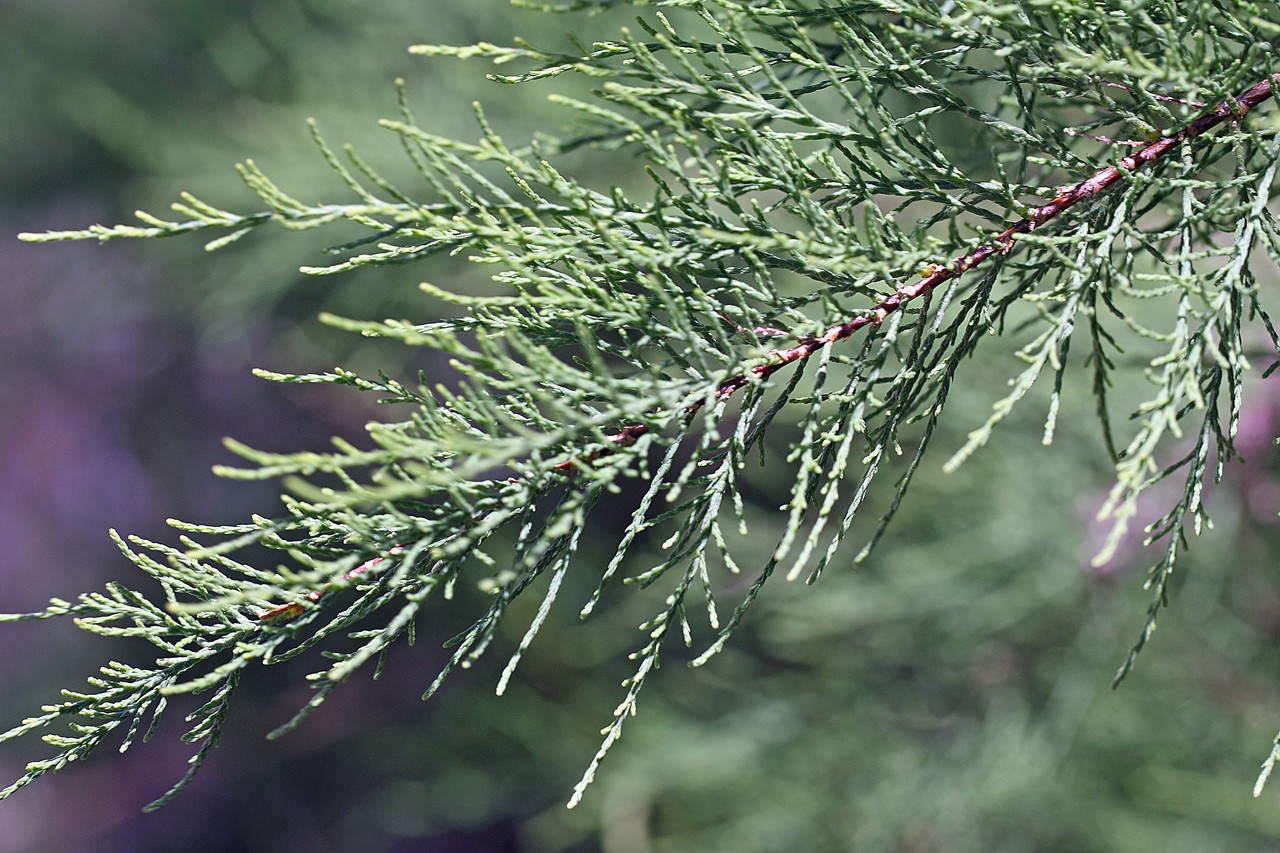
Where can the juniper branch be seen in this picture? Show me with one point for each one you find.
(653, 314)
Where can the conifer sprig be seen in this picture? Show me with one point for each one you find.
(803, 181)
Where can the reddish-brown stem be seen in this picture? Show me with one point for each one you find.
(296, 608)
(1001, 244)
(1131, 90)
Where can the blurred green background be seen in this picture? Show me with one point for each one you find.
(951, 695)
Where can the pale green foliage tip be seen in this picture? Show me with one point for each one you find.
(805, 160)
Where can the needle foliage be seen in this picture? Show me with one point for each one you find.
(793, 282)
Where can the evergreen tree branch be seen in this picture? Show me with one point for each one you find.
(631, 323)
